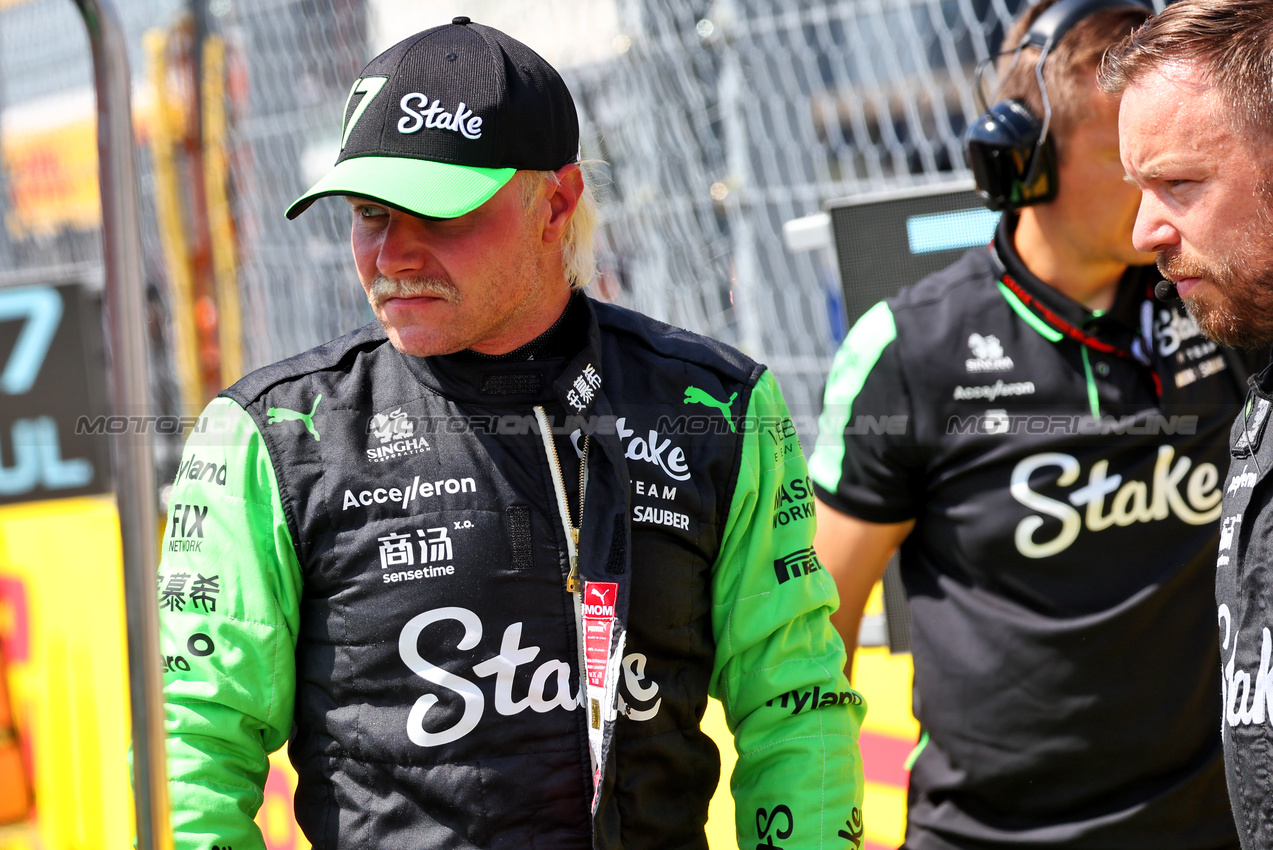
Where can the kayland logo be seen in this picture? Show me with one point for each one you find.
(987, 355)
(1132, 501)
(993, 391)
(809, 700)
(283, 414)
(548, 688)
(693, 395)
(650, 449)
(395, 431)
(802, 562)
(404, 496)
(419, 114)
(193, 469)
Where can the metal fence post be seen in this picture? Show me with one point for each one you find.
(134, 474)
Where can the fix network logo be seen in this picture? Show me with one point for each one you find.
(186, 525)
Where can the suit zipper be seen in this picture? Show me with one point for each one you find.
(573, 584)
(574, 587)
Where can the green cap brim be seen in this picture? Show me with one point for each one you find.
(419, 186)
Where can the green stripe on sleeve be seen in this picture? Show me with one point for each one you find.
(853, 362)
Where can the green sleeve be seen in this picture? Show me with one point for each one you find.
(229, 591)
(779, 663)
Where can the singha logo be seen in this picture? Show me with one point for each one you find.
(391, 426)
(987, 355)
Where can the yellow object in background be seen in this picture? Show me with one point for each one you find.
(62, 625)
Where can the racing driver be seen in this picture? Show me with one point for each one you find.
(481, 563)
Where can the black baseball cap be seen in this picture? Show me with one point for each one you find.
(439, 122)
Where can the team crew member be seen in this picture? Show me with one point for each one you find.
(1055, 493)
(1195, 126)
(485, 560)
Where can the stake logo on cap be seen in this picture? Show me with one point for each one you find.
(439, 122)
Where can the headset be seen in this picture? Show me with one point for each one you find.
(1012, 157)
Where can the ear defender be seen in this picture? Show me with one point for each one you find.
(1010, 152)
(1002, 147)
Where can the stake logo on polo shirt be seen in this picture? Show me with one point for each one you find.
(1129, 502)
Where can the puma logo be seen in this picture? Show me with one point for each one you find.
(600, 595)
(283, 414)
(693, 395)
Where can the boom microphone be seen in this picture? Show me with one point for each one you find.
(1165, 290)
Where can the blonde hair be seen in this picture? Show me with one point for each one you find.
(578, 257)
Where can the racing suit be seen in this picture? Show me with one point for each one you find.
(1244, 618)
(1063, 468)
(375, 555)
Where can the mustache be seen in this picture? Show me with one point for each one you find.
(383, 288)
(1176, 266)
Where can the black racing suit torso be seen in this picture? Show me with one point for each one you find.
(438, 698)
(1064, 472)
(1244, 587)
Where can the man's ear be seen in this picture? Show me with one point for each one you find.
(563, 197)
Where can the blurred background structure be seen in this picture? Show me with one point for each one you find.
(710, 124)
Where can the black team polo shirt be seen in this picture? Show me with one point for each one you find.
(1065, 470)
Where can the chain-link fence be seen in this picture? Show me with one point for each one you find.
(714, 122)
